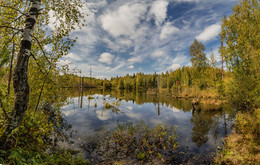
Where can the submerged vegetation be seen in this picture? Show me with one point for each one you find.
(135, 142)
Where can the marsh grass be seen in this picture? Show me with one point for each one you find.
(243, 145)
(91, 97)
(107, 106)
(136, 142)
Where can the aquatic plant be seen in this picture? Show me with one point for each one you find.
(90, 97)
(138, 142)
(107, 105)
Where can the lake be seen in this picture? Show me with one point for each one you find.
(200, 133)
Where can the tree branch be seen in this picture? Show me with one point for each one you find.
(9, 27)
(11, 38)
(41, 91)
(16, 19)
(37, 62)
(13, 9)
(42, 50)
(45, 72)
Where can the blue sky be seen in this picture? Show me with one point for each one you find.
(129, 36)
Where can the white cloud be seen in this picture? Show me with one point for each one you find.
(104, 115)
(72, 56)
(124, 20)
(209, 33)
(174, 109)
(135, 60)
(131, 67)
(174, 67)
(106, 58)
(101, 77)
(129, 107)
(180, 59)
(167, 30)
(156, 54)
(159, 11)
(62, 62)
(188, 0)
(125, 28)
(119, 45)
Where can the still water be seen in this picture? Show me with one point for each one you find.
(199, 132)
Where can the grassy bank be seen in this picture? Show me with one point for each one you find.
(208, 99)
(243, 145)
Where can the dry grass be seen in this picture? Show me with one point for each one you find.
(243, 145)
(196, 92)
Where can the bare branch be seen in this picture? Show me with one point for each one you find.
(37, 63)
(39, 98)
(42, 50)
(42, 67)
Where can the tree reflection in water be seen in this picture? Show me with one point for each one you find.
(205, 128)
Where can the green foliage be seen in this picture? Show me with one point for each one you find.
(240, 32)
(198, 55)
(25, 156)
(106, 84)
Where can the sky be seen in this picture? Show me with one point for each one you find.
(129, 36)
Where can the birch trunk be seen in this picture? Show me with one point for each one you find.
(20, 79)
(11, 70)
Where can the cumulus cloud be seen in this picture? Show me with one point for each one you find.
(129, 107)
(106, 58)
(209, 33)
(135, 59)
(73, 57)
(143, 32)
(180, 59)
(157, 54)
(103, 115)
(167, 30)
(124, 20)
(188, 0)
(130, 67)
(174, 67)
(159, 11)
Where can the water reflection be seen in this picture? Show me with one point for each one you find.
(199, 131)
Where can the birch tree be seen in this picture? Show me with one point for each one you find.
(33, 36)
(240, 33)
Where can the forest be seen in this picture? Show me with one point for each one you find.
(33, 86)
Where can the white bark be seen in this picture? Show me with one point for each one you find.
(20, 79)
